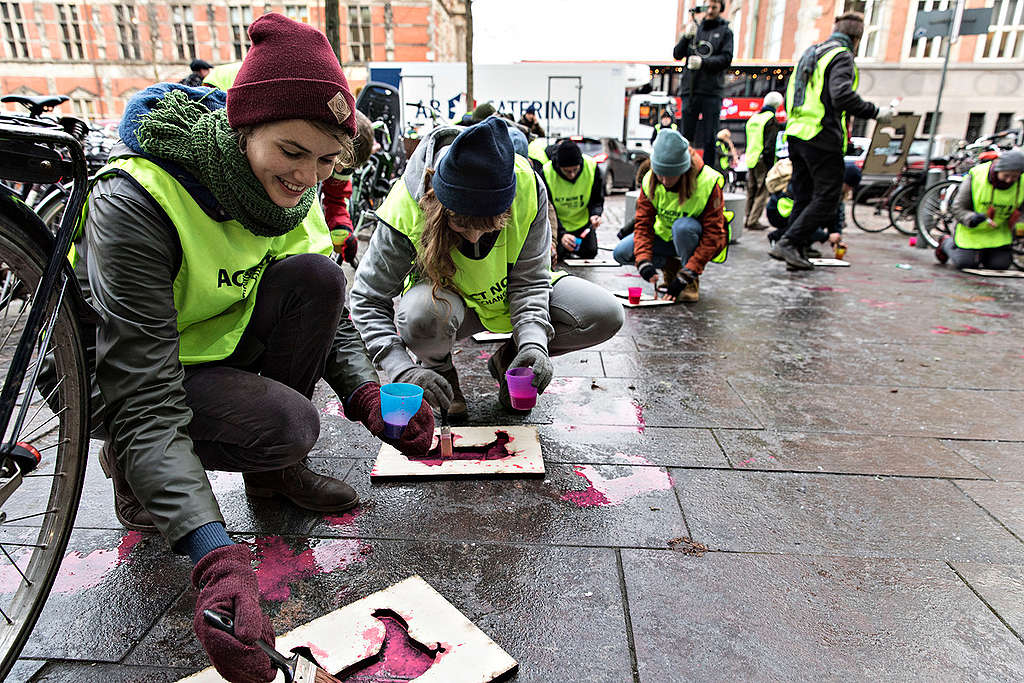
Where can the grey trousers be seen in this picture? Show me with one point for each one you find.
(582, 313)
(996, 258)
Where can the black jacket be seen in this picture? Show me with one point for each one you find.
(713, 43)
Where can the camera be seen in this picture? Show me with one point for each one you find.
(699, 9)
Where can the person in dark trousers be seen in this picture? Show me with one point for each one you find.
(529, 119)
(822, 93)
(762, 129)
(666, 121)
(707, 49)
(576, 188)
(200, 70)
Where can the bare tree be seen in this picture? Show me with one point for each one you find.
(469, 55)
(332, 27)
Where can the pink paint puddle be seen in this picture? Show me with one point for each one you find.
(824, 288)
(495, 450)
(880, 304)
(279, 565)
(641, 422)
(484, 355)
(400, 657)
(967, 329)
(975, 311)
(346, 519)
(334, 408)
(79, 572)
(601, 491)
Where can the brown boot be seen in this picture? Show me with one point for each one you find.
(691, 292)
(457, 411)
(303, 487)
(497, 366)
(127, 507)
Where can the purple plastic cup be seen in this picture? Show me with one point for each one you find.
(634, 295)
(520, 388)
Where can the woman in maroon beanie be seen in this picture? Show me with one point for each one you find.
(220, 309)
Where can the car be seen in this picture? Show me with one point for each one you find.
(616, 162)
(857, 151)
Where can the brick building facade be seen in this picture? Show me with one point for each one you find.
(984, 88)
(101, 52)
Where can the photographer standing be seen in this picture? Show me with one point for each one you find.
(707, 48)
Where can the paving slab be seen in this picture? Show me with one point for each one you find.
(855, 516)
(1002, 500)
(1000, 460)
(618, 444)
(532, 601)
(68, 672)
(24, 670)
(760, 617)
(1000, 586)
(843, 453)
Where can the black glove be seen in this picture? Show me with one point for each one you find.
(975, 219)
(685, 277)
(647, 270)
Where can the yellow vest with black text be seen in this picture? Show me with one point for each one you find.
(755, 136)
(668, 209)
(483, 283)
(804, 122)
(536, 150)
(984, 195)
(222, 263)
(571, 197)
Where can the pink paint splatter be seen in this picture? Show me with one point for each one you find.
(346, 519)
(399, 658)
(967, 329)
(975, 311)
(79, 572)
(484, 355)
(629, 275)
(319, 653)
(880, 304)
(601, 491)
(334, 409)
(279, 565)
(641, 423)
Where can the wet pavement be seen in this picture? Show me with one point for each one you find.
(804, 475)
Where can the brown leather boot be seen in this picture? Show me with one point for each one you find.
(691, 292)
(303, 487)
(127, 507)
(457, 411)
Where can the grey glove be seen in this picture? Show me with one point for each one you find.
(975, 219)
(693, 62)
(536, 357)
(885, 114)
(436, 389)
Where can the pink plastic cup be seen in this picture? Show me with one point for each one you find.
(520, 388)
(634, 295)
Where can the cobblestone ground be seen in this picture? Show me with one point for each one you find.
(813, 475)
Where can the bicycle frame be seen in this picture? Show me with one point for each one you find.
(55, 269)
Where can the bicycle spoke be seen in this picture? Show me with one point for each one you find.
(8, 556)
(33, 515)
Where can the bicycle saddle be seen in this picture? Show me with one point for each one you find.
(36, 105)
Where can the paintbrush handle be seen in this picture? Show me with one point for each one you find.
(222, 621)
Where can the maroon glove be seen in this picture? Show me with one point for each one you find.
(364, 406)
(227, 583)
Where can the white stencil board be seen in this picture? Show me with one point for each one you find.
(984, 272)
(352, 634)
(830, 262)
(487, 337)
(590, 263)
(526, 458)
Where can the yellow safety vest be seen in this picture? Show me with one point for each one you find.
(571, 197)
(755, 136)
(667, 207)
(984, 195)
(804, 121)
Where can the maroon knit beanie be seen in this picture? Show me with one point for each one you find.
(289, 72)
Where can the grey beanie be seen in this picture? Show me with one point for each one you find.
(1011, 160)
(671, 153)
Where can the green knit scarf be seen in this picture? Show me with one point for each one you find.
(186, 132)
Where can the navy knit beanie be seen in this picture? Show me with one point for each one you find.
(477, 176)
(568, 154)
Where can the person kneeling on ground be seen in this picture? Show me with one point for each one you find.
(679, 219)
(464, 239)
(576, 188)
(988, 208)
(220, 309)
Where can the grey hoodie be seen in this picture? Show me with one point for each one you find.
(390, 257)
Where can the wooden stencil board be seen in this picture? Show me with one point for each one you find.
(830, 262)
(526, 458)
(487, 337)
(590, 263)
(984, 272)
(353, 634)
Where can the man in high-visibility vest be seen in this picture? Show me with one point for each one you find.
(762, 130)
(666, 121)
(576, 188)
(821, 93)
(989, 209)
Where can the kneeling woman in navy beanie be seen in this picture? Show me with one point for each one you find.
(464, 240)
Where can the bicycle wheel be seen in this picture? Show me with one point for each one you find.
(935, 217)
(51, 207)
(1018, 251)
(37, 514)
(903, 209)
(870, 209)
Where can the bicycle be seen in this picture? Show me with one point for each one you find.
(893, 207)
(372, 183)
(44, 401)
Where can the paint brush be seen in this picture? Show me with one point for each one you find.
(296, 669)
(445, 442)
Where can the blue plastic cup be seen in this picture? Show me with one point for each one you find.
(579, 241)
(398, 403)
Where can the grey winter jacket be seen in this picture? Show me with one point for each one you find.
(134, 254)
(390, 259)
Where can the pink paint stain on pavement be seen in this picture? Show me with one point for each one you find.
(880, 304)
(79, 572)
(334, 409)
(601, 491)
(975, 311)
(967, 329)
(345, 519)
(629, 275)
(279, 565)
(641, 422)
(484, 355)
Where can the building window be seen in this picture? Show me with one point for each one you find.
(927, 48)
(975, 122)
(1005, 39)
(70, 31)
(871, 43)
(240, 18)
(83, 105)
(14, 30)
(926, 127)
(297, 12)
(184, 31)
(128, 31)
(1003, 121)
(359, 38)
(773, 47)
